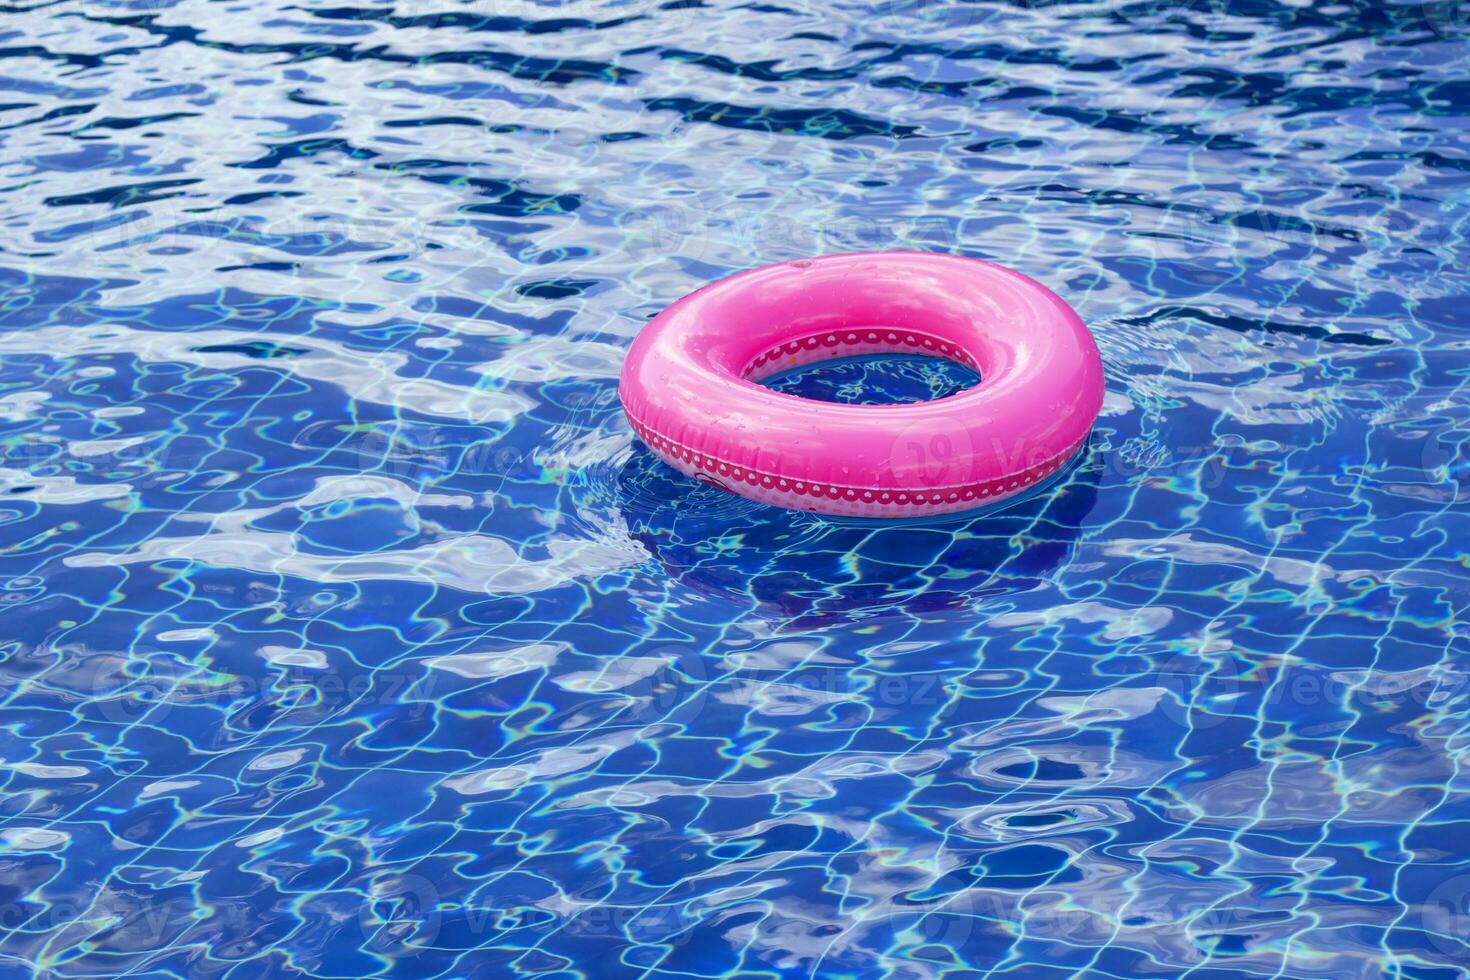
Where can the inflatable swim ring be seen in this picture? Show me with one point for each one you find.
(689, 385)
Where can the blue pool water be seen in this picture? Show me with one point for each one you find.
(346, 632)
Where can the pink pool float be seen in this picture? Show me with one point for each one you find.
(689, 385)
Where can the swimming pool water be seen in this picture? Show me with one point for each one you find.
(346, 632)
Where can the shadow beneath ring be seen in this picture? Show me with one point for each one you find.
(805, 571)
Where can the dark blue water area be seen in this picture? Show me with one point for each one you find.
(346, 630)
(879, 379)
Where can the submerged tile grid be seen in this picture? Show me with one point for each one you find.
(346, 632)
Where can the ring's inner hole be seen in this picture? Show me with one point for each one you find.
(875, 379)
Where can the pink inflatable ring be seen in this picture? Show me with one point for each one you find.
(689, 384)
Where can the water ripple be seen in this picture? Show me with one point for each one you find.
(349, 632)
